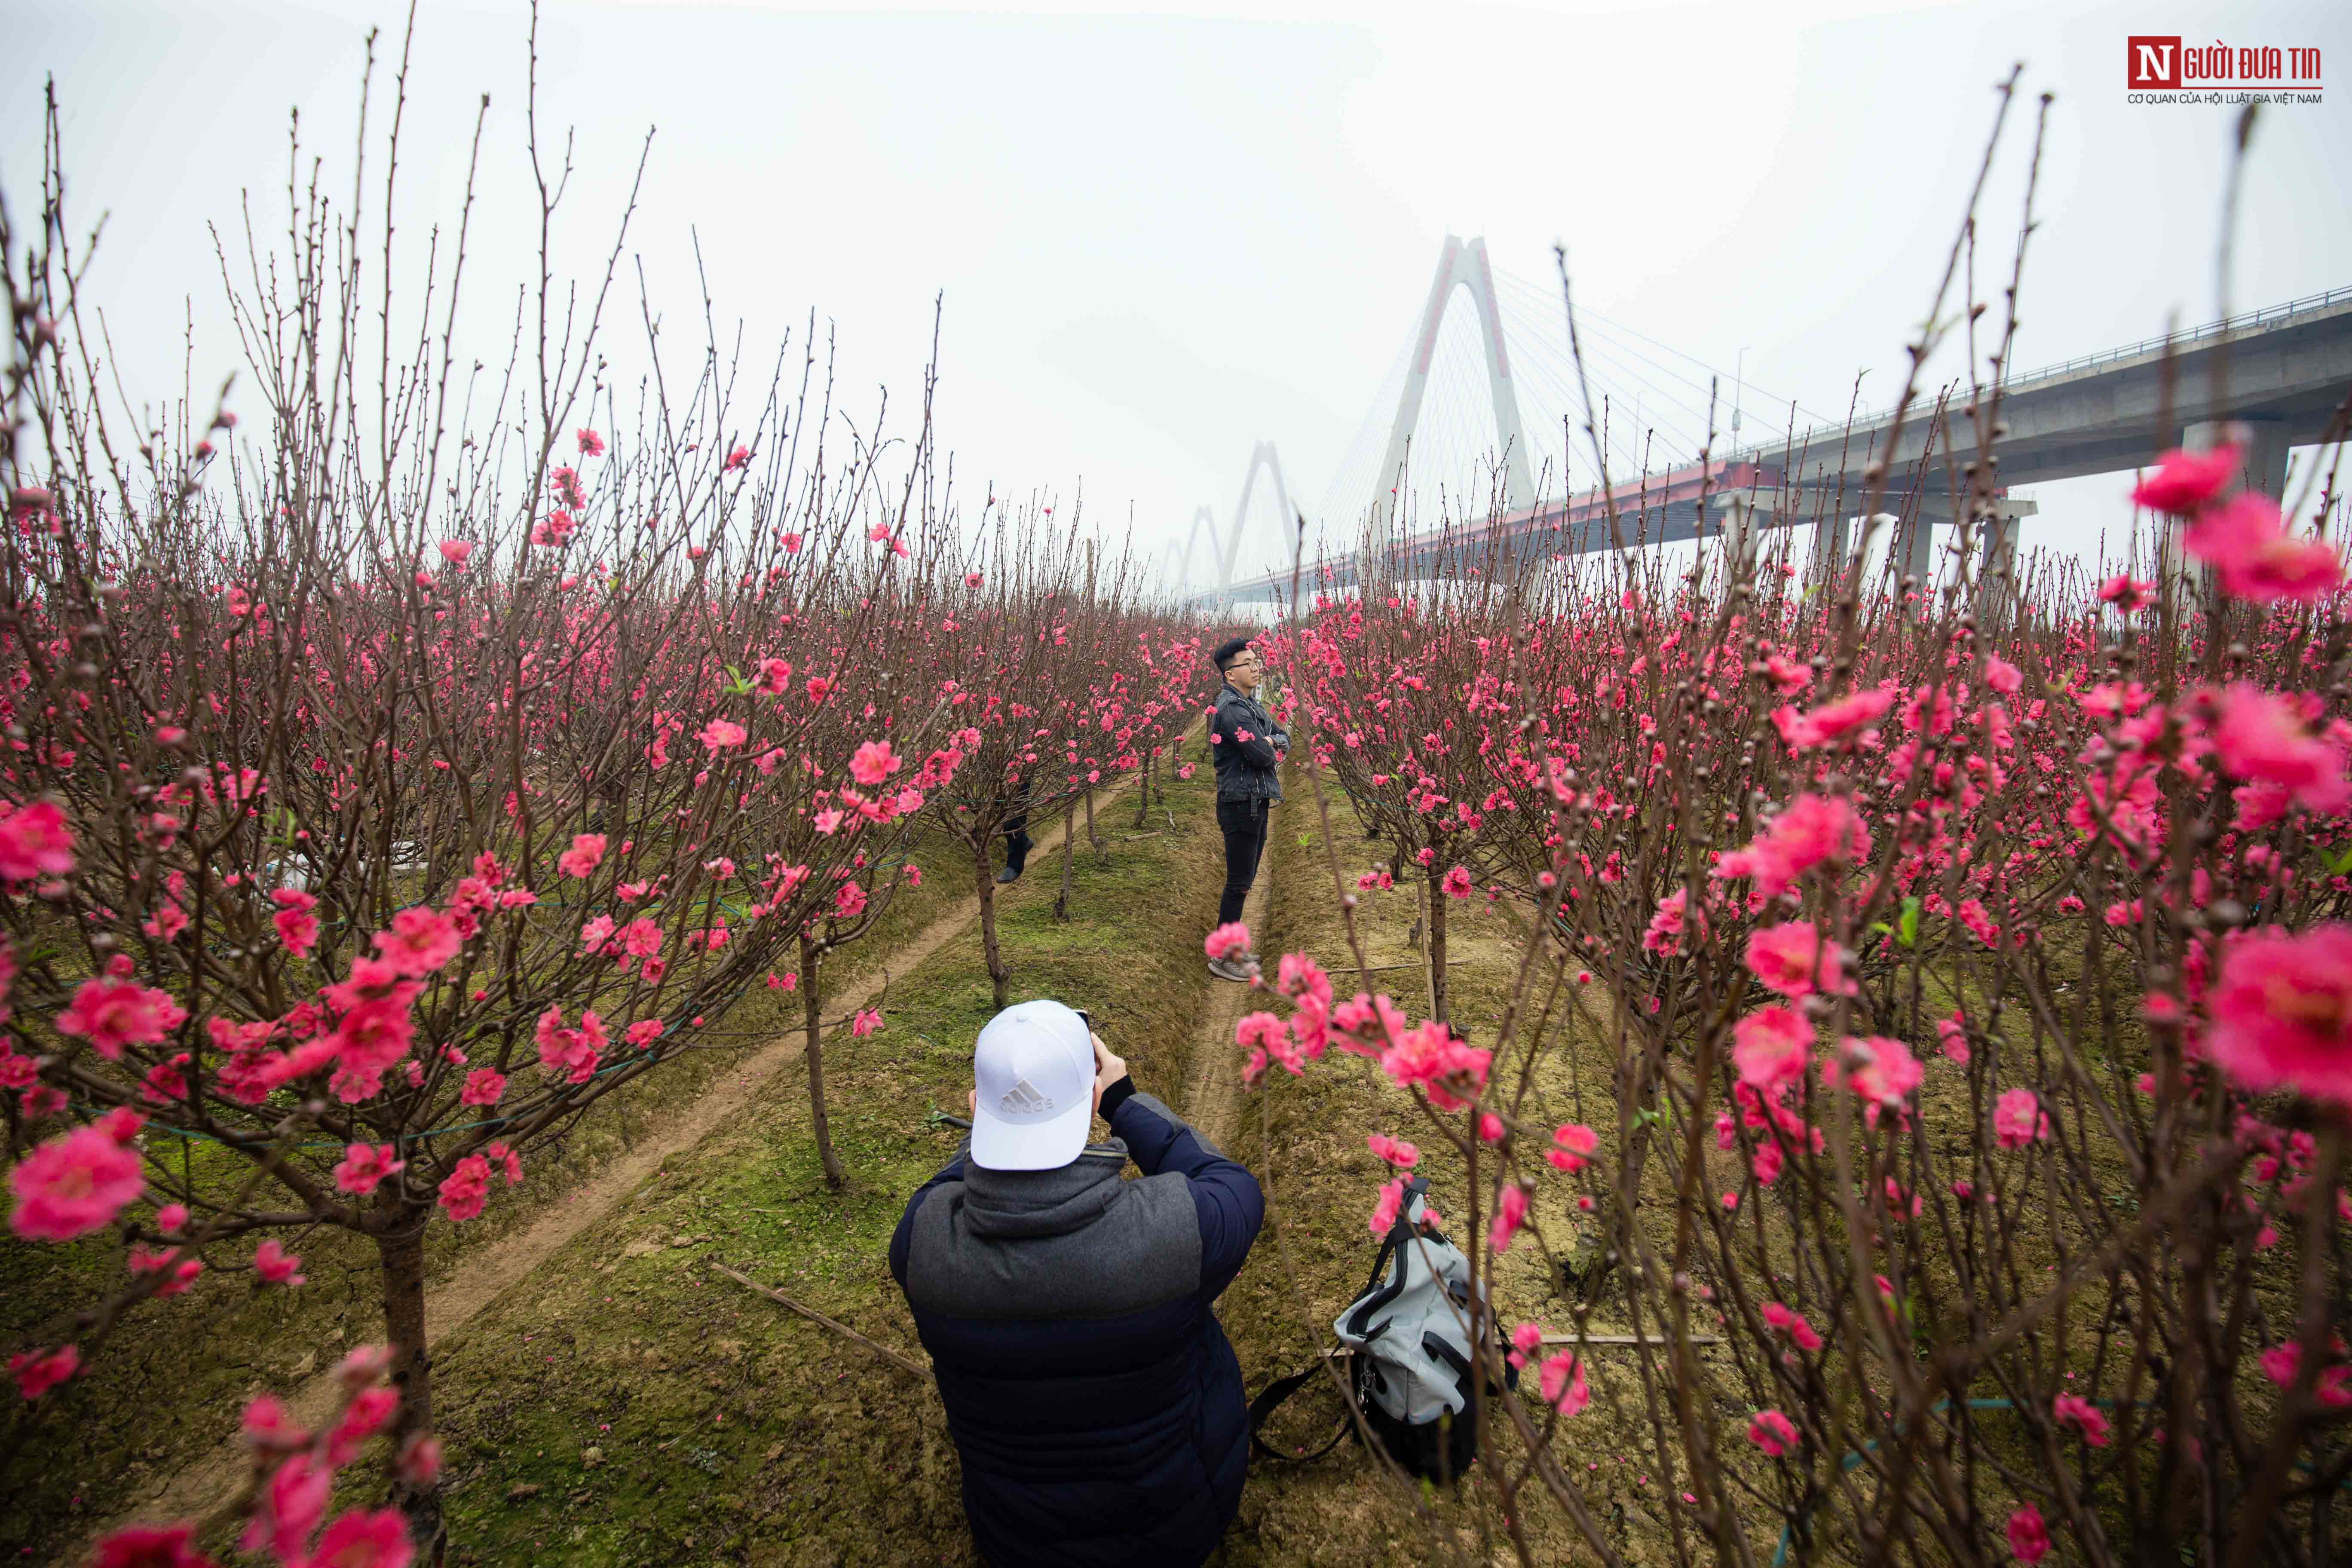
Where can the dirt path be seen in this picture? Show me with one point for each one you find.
(480, 1277)
(1213, 1092)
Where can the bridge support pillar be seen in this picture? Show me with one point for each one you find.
(1913, 548)
(2264, 468)
(1996, 560)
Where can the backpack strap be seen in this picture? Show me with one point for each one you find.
(1375, 1294)
(1264, 1405)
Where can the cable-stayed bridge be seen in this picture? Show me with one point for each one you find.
(1450, 436)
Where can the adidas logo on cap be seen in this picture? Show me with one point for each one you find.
(1023, 1099)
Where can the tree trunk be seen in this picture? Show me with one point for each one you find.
(1436, 949)
(998, 979)
(1093, 837)
(812, 1021)
(1143, 790)
(401, 1256)
(1062, 899)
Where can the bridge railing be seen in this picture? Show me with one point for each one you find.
(2245, 319)
(2236, 323)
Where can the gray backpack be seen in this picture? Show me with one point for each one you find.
(1405, 1336)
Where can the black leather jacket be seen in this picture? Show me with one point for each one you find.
(1244, 742)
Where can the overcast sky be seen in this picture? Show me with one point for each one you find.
(1163, 238)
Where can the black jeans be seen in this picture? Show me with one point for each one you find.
(1242, 821)
(1017, 842)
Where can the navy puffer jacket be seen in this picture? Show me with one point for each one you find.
(1094, 1398)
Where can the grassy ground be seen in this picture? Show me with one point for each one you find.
(168, 1389)
(628, 1405)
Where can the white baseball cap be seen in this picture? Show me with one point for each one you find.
(1034, 1065)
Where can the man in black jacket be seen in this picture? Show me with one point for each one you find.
(1246, 746)
(1094, 1399)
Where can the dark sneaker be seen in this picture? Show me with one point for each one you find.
(1226, 969)
(1007, 876)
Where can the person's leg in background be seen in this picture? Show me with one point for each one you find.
(1017, 845)
(1243, 823)
(1238, 821)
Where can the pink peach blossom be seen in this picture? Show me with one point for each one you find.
(587, 852)
(2265, 737)
(1879, 1071)
(2073, 1410)
(38, 1371)
(721, 734)
(111, 1014)
(1772, 1432)
(74, 1185)
(1832, 722)
(362, 1540)
(1794, 960)
(363, 1167)
(420, 941)
(35, 842)
(467, 1187)
(2184, 480)
(2248, 544)
(276, 1265)
(2029, 1538)
(2018, 1119)
(1772, 1048)
(1812, 829)
(1561, 1381)
(2282, 1013)
(1229, 941)
(1510, 1213)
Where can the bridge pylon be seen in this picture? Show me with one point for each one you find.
(1204, 519)
(1460, 265)
(1262, 456)
(1225, 552)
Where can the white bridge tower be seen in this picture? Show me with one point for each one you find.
(1459, 265)
(1226, 552)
